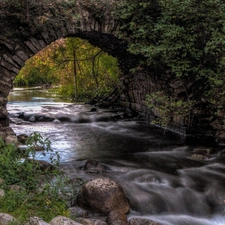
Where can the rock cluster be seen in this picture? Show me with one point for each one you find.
(101, 195)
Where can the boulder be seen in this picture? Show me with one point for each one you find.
(32, 119)
(198, 157)
(117, 218)
(15, 187)
(103, 195)
(42, 164)
(6, 219)
(92, 166)
(36, 221)
(86, 221)
(62, 220)
(22, 138)
(142, 221)
(78, 212)
(56, 121)
(11, 139)
(93, 110)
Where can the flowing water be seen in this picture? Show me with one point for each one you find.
(162, 176)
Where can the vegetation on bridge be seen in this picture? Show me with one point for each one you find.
(183, 40)
(179, 40)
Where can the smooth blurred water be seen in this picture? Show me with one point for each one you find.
(156, 171)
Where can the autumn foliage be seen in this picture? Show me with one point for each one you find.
(79, 69)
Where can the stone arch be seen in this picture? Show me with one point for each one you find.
(47, 23)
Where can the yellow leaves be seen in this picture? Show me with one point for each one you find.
(48, 202)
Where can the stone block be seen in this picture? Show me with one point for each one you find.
(125, 104)
(4, 91)
(6, 44)
(18, 61)
(63, 31)
(133, 106)
(176, 83)
(3, 101)
(46, 37)
(3, 112)
(9, 60)
(52, 35)
(139, 107)
(36, 44)
(9, 66)
(42, 43)
(22, 55)
(131, 96)
(31, 47)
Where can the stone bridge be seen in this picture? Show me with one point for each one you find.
(25, 32)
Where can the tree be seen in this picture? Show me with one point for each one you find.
(93, 71)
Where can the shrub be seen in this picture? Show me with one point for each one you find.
(34, 192)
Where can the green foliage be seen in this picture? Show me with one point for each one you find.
(19, 167)
(76, 66)
(99, 9)
(23, 204)
(87, 70)
(180, 38)
(39, 70)
(30, 190)
(185, 37)
(169, 109)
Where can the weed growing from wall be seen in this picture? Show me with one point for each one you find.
(169, 110)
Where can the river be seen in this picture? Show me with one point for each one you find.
(165, 179)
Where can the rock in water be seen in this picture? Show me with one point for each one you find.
(103, 195)
(92, 166)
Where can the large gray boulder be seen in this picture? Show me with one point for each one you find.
(92, 166)
(36, 221)
(62, 220)
(103, 195)
(6, 219)
(86, 221)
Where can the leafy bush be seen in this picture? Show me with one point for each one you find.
(30, 190)
(169, 109)
(179, 38)
(20, 168)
